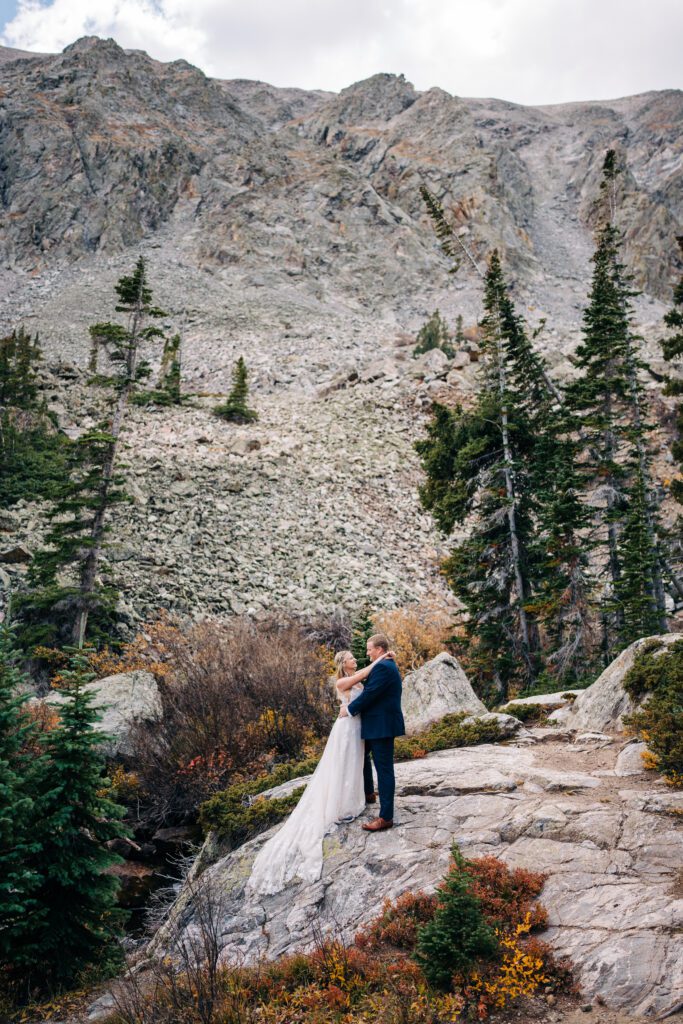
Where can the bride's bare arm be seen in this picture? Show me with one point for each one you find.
(362, 674)
(346, 682)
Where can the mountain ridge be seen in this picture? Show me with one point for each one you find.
(287, 226)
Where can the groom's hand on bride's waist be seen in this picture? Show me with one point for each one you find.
(343, 711)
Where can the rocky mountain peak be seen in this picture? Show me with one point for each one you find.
(378, 98)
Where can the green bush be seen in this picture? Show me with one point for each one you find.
(459, 933)
(236, 817)
(450, 731)
(658, 675)
(530, 712)
(33, 458)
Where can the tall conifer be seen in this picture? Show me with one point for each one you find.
(672, 348)
(20, 781)
(608, 401)
(478, 469)
(80, 919)
(236, 407)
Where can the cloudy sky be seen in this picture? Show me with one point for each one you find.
(528, 51)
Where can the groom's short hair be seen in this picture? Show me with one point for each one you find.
(379, 640)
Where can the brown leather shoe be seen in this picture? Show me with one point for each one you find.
(371, 798)
(377, 825)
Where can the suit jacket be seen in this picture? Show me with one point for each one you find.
(379, 705)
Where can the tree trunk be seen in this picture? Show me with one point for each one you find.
(89, 568)
(511, 517)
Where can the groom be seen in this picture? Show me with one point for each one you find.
(379, 706)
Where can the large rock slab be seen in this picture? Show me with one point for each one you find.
(611, 856)
(602, 706)
(123, 700)
(438, 688)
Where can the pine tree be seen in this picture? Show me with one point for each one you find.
(19, 356)
(478, 468)
(170, 370)
(20, 775)
(168, 389)
(672, 348)
(362, 628)
(124, 344)
(561, 585)
(433, 334)
(459, 337)
(458, 935)
(608, 401)
(50, 609)
(235, 408)
(81, 922)
(32, 452)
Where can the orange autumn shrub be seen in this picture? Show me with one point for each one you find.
(398, 924)
(508, 895)
(418, 632)
(151, 651)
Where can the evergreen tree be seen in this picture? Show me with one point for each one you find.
(458, 935)
(564, 596)
(608, 401)
(124, 344)
(33, 458)
(478, 469)
(433, 334)
(170, 371)
(19, 356)
(672, 348)
(32, 451)
(459, 339)
(562, 585)
(51, 608)
(20, 773)
(81, 511)
(80, 921)
(236, 408)
(362, 629)
(167, 391)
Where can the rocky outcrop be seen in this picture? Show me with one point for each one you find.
(602, 706)
(610, 848)
(438, 688)
(123, 700)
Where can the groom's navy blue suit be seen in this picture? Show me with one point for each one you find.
(379, 706)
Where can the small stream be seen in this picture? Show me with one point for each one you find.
(153, 863)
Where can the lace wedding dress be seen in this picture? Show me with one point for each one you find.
(334, 792)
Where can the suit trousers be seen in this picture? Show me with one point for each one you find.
(382, 751)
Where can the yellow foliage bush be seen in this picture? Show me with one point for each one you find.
(521, 972)
(418, 632)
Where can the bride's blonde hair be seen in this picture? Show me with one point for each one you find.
(339, 660)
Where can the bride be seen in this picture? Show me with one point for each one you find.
(335, 792)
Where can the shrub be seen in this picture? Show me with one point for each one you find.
(33, 458)
(530, 712)
(507, 895)
(450, 731)
(657, 674)
(236, 696)
(418, 632)
(458, 934)
(236, 816)
(397, 926)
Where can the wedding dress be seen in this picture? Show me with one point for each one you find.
(334, 792)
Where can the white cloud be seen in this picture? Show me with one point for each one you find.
(529, 51)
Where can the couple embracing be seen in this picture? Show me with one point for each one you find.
(342, 784)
